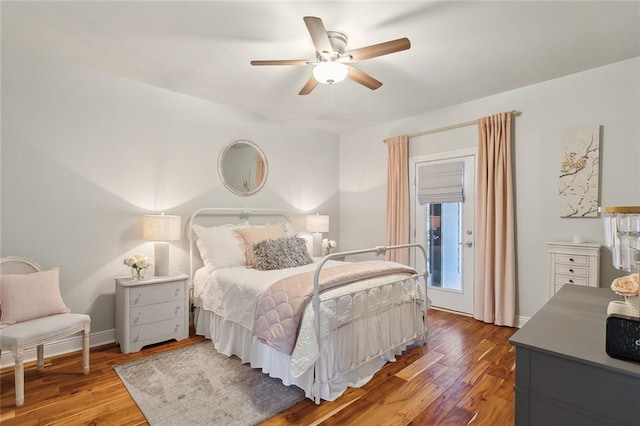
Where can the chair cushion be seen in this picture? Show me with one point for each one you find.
(40, 329)
(25, 297)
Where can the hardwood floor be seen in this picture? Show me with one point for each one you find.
(463, 375)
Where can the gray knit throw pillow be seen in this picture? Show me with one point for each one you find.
(282, 253)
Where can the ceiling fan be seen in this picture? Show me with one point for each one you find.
(332, 59)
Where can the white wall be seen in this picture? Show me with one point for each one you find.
(609, 96)
(85, 154)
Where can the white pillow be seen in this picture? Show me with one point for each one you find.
(218, 247)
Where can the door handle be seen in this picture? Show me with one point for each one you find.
(467, 243)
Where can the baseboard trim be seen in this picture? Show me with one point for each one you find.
(520, 320)
(62, 346)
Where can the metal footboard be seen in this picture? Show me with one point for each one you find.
(414, 298)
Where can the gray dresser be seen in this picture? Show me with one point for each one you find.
(563, 374)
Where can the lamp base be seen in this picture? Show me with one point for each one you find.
(317, 244)
(161, 260)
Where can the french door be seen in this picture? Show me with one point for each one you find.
(446, 230)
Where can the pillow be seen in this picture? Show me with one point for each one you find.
(250, 236)
(287, 252)
(25, 297)
(218, 247)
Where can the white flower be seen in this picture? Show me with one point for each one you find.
(326, 243)
(626, 286)
(137, 261)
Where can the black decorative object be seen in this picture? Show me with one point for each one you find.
(623, 337)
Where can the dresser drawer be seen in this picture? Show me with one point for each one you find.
(152, 313)
(146, 295)
(140, 333)
(569, 279)
(580, 271)
(571, 259)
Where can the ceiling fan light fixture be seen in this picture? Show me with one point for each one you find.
(330, 72)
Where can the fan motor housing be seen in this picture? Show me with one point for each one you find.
(338, 42)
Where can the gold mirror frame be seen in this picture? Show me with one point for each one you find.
(243, 180)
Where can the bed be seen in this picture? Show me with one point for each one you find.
(343, 334)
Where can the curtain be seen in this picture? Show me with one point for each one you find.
(495, 287)
(397, 228)
(259, 170)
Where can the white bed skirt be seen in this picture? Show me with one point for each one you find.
(230, 338)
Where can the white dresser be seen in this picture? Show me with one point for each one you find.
(571, 263)
(151, 310)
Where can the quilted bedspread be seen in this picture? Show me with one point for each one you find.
(279, 310)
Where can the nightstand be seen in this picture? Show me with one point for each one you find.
(152, 310)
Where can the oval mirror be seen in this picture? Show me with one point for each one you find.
(243, 167)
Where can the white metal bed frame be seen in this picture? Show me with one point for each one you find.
(419, 336)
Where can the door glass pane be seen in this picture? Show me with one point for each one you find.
(443, 245)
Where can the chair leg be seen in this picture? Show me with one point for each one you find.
(18, 356)
(40, 353)
(85, 349)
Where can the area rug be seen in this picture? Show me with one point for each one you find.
(196, 385)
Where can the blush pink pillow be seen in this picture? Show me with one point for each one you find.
(250, 236)
(25, 297)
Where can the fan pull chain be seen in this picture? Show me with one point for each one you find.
(331, 104)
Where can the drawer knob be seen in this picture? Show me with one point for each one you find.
(177, 328)
(571, 259)
(137, 299)
(177, 309)
(571, 270)
(177, 291)
(571, 281)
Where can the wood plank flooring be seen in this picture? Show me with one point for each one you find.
(463, 375)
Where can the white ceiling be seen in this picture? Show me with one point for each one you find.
(459, 50)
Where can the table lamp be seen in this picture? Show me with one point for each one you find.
(622, 235)
(161, 228)
(316, 224)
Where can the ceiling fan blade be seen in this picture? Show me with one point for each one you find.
(283, 62)
(318, 34)
(363, 78)
(309, 86)
(380, 49)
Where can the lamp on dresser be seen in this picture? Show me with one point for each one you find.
(317, 224)
(161, 228)
(622, 235)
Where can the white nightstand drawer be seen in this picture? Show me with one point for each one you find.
(571, 259)
(155, 330)
(580, 271)
(152, 313)
(568, 279)
(158, 293)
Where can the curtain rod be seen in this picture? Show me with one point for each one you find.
(513, 113)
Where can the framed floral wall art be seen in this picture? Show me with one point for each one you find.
(579, 175)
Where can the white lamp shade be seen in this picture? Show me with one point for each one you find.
(330, 72)
(161, 227)
(317, 223)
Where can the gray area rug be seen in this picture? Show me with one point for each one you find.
(196, 385)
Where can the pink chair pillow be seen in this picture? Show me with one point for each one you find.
(24, 297)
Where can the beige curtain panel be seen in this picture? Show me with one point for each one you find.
(495, 287)
(397, 230)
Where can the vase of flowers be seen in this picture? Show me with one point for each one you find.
(138, 264)
(628, 287)
(327, 246)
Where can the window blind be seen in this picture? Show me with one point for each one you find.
(441, 183)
